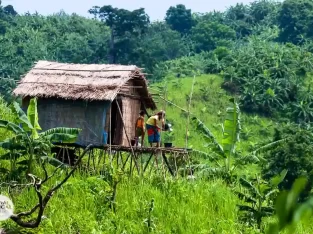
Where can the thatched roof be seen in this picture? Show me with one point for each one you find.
(82, 81)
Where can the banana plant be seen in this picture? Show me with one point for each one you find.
(225, 150)
(27, 142)
(258, 196)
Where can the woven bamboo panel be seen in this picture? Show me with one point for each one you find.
(87, 116)
(130, 109)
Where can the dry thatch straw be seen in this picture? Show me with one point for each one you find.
(82, 81)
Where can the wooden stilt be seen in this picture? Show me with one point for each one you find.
(144, 169)
(68, 156)
(100, 157)
(88, 164)
(175, 162)
(128, 156)
(167, 164)
(63, 155)
(93, 159)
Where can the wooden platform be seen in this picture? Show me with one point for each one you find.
(134, 148)
(146, 149)
(132, 156)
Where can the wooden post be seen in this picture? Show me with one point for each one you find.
(110, 143)
(133, 153)
(188, 114)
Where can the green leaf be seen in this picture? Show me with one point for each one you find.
(14, 143)
(11, 156)
(270, 92)
(33, 117)
(64, 135)
(200, 126)
(24, 162)
(247, 208)
(231, 129)
(11, 127)
(4, 171)
(287, 201)
(303, 209)
(22, 117)
(245, 197)
(269, 146)
(249, 186)
(279, 178)
(273, 229)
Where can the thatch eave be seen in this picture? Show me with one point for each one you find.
(90, 82)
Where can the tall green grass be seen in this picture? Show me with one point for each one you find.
(209, 106)
(180, 207)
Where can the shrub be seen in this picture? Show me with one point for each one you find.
(295, 155)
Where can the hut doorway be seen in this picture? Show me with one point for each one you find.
(116, 123)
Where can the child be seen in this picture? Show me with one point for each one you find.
(140, 128)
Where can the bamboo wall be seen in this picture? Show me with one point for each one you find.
(88, 116)
(130, 109)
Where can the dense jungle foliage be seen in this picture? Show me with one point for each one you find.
(262, 50)
(259, 56)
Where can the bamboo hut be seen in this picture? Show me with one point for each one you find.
(103, 100)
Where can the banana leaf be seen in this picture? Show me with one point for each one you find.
(11, 127)
(245, 197)
(247, 208)
(32, 115)
(61, 135)
(4, 171)
(22, 117)
(269, 146)
(231, 129)
(279, 178)
(200, 126)
(250, 186)
(11, 156)
(12, 145)
(15, 143)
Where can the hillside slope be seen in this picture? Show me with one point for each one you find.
(209, 103)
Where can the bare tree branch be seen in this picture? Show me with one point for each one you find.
(37, 182)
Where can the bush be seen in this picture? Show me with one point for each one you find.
(295, 155)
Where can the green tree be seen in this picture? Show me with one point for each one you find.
(239, 18)
(209, 35)
(124, 24)
(262, 9)
(158, 44)
(179, 18)
(295, 20)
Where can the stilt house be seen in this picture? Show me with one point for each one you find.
(103, 100)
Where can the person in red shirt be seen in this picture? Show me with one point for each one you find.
(140, 128)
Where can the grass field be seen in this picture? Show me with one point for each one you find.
(209, 103)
